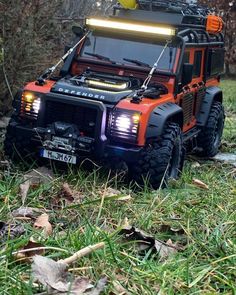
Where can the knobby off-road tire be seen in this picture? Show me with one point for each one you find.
(18, 148)
(209, 140)
(160, 160)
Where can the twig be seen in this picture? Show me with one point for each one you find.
(83, 252)
(35, 249)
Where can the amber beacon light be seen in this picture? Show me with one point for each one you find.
(215, 24)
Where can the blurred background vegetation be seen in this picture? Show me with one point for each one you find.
(33, 34)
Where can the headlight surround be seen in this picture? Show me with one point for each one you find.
(124, 125)
(30, 105)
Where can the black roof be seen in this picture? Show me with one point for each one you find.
(189, 19)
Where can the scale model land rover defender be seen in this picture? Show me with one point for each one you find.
(139, 86)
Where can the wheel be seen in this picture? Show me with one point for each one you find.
(18, 148)
(209, 139)
(161, 160)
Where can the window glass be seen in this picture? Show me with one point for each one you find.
(215, 62)
(197, 64)
(119, 48)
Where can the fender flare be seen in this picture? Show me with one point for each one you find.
(213, 93)
(168, 112)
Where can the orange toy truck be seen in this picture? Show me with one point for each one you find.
(140, 86)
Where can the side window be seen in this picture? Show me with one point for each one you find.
(215, 62)
(186, 57)
(197, 64)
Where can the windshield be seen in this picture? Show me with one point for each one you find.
(128, 50)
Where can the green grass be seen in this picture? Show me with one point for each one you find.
(229, 89)
(207, 263)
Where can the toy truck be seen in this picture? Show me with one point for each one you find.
(140, 86)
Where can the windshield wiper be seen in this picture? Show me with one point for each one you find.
(98, 56)
(137, 62)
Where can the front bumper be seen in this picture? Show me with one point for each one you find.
(34, 138)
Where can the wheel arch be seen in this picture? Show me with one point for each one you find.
(213, 94)
(160, 116)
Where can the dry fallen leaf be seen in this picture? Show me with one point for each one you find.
(10, 231)
(116, 194)
(148, 242)
(26, 212)
(42, 222)
(35, 178)
(195, 165)
(171, 230)
(111, 192)
(25, 256)
(67, 192)
(118, 288)
(55, 277)
(200, 184)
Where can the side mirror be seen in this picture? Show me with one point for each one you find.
(187, 74)
(78, 31)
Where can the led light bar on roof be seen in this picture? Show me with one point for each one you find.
(130, 27)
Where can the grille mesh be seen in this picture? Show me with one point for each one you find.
(84, 118)
(187, 105)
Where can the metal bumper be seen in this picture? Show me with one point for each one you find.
(34, 136)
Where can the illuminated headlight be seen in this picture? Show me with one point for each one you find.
(30, 105)
(124, 125)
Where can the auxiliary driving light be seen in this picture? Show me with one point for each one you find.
(111, 86)
(130, 27)
(124, 125)
(30, 105)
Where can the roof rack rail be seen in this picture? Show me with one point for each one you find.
(193, 14)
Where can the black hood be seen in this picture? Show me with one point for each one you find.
(78, 86)
(65, 87)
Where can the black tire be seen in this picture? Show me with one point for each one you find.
(160, 160)
(18, 148)
(209, 140)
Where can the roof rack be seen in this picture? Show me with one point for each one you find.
(192, 14)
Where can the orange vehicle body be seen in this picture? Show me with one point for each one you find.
(138, 87)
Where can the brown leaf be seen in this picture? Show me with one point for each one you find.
(67, 192)
(24, 188)
(99, 287)
(195, 165)
(35, 178)
(171, 230)
(200, 184)
(42, 222)
(116, 194)
(25, 212)
(148, 242)
(55, 277)
(10, 231)
(25, 256)
(118, 288)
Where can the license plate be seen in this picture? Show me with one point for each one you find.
(58, 156)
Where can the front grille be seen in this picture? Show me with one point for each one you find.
(187, 106)
(199, 99)
(83, 117)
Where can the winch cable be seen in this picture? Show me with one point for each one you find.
(154, 68)
(50, 71)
